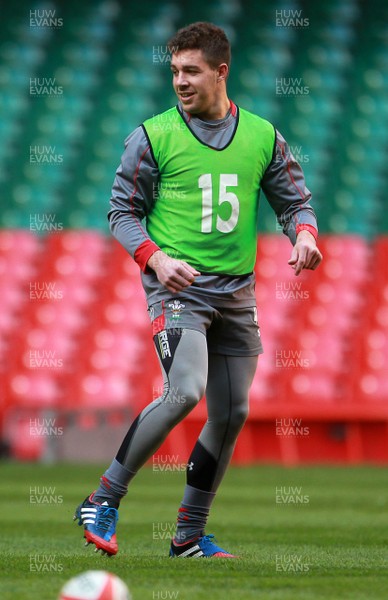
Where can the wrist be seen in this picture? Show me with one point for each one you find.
(154, 259)
(306, 227)
(143, 254)
(306, 236)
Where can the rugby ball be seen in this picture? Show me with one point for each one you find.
(95, 585)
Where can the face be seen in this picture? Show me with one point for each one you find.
(195, 83)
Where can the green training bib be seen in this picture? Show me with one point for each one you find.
(206, 205)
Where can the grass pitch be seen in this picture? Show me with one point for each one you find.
(318, 533)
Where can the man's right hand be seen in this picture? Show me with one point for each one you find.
(174, 274)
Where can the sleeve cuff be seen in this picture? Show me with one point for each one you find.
(143, 254)
(305, 227)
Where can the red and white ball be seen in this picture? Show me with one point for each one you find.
(95, 585)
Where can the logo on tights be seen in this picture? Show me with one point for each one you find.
(164, 345)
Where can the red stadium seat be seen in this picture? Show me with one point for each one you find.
(373, 386)
(35, 389)
(109, 389)
(24, 445)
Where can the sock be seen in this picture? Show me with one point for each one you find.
(193, 514)
(113, 484)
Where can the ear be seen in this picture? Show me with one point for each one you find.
(222, 72)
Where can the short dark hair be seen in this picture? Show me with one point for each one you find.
(209, 38)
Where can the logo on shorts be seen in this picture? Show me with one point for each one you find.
(255, 320)
(163, 344)
(176, 308)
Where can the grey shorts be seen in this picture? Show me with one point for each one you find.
(231, 331)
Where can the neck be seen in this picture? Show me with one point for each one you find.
(218, 110)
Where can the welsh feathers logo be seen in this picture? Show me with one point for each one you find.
(176, 308)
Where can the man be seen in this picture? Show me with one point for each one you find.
(195, 242)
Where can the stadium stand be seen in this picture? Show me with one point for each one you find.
(75, 337)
